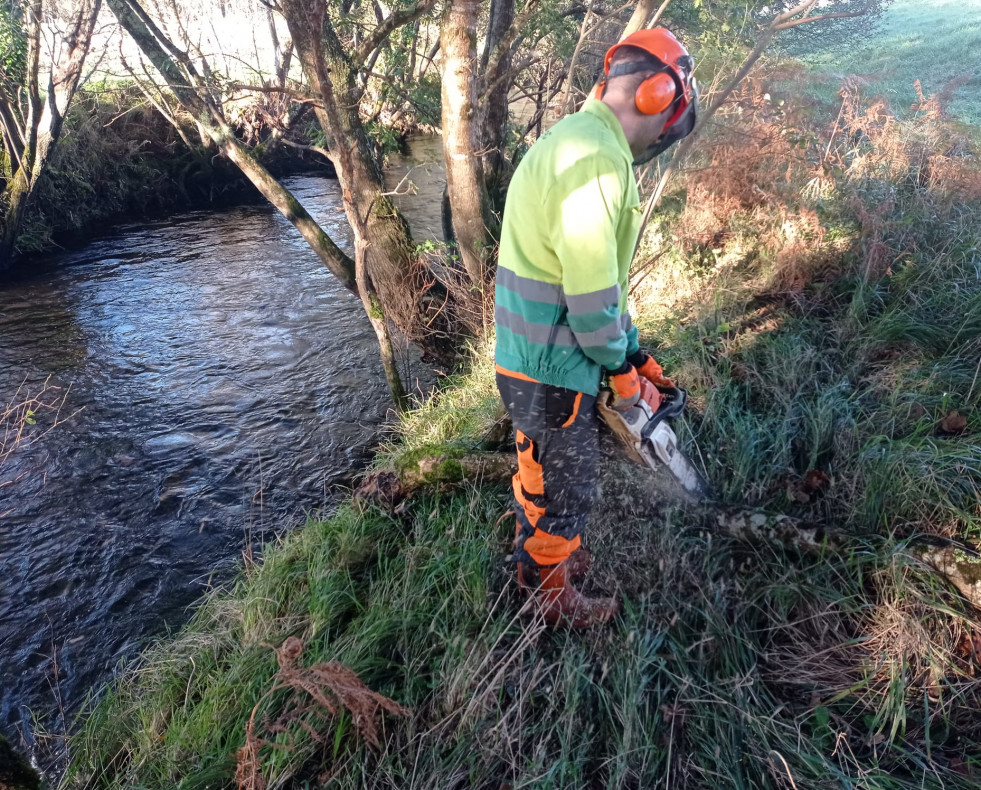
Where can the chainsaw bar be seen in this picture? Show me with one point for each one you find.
(650, 441)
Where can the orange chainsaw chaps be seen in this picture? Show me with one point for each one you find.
(530, 472)
(548, 549)
(532, 511)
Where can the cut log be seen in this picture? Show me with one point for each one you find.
(787, 531)
(388, 488)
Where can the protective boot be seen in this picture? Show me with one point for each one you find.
(561, 603)
(577, 566)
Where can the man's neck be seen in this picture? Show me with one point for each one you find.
(637, 128)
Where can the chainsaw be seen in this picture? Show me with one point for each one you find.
(649, 439)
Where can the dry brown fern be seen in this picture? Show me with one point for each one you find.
(319, 692)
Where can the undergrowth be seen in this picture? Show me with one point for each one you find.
(824, 308)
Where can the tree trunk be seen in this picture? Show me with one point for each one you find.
(464, 170)
(569, 102)
(638, 19)
(376, 315)
(333, 258)
(389, 254)
(493, 124)
(17, 192)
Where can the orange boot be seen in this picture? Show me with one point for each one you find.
(577, 567)
(560, 601)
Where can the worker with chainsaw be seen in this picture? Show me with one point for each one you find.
(571, 223)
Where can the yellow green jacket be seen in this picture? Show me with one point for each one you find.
(571, 221)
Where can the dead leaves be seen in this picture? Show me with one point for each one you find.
(811, 487)
(954, 422)
(318, 693)
(968, 651)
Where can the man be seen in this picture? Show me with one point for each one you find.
(571, 223)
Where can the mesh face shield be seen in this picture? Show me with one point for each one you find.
(680, 128)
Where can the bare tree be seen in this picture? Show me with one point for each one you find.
(32, 113)
(383, 249)
(384, 266)
(196, 95)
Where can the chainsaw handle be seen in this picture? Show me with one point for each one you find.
(673, 405)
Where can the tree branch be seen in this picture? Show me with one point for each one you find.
(531, 61)
(315, 148)
(803, 8)
(394, 21)
(298, 95)
(806, 20)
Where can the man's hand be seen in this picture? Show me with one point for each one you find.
(629, 389)
(626, 388)
(651, 371)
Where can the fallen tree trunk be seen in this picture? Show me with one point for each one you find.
(389, 488)
(959, 564)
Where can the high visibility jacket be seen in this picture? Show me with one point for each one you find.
(571, 221)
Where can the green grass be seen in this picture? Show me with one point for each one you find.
(733, 665)
(934, 41)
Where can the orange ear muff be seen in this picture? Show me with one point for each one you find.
(655, 94)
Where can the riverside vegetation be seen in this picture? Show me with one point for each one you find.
(119, 158)
(813, 278)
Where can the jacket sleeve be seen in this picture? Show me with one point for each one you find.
(633, 346)
(585, 202)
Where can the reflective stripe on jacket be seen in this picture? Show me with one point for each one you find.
(570, 227)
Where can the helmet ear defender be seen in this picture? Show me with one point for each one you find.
(656, 93)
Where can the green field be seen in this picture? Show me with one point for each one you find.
(934, 41)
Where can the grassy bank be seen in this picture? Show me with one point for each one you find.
(934, 42)
(814, 281)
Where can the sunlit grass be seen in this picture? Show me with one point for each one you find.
(934, 41)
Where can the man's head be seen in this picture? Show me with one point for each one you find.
(649, 87)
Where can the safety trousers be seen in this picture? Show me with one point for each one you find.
(557, 437)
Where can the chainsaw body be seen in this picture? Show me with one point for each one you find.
(650, 440)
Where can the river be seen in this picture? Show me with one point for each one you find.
(221, 386)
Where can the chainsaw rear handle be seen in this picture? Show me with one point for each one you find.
(673, 405)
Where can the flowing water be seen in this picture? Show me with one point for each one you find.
(220, 386)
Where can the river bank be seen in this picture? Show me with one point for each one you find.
(119, 160)
(819, 297)
(206, 359)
